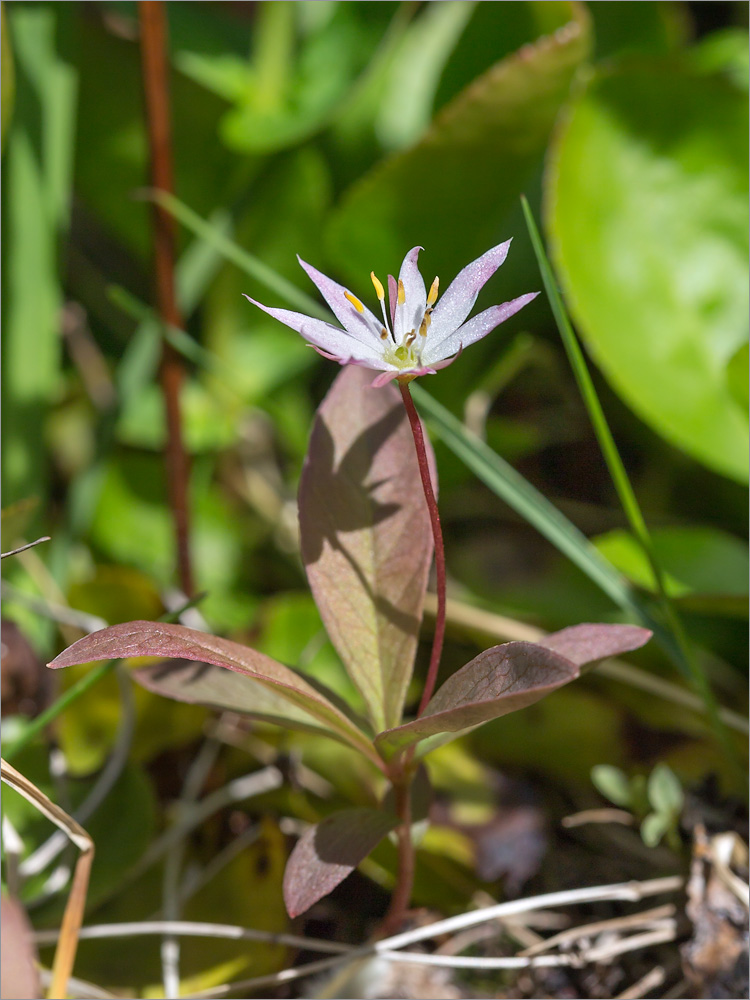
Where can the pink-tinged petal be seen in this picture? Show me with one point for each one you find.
(478, 327)
(458, 299)
(392, 298)
(409, 315)
(384, 378)
(361, 325)
(343, 348)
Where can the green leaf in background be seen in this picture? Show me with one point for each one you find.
(665, 791)
(451, 192)
(8, 77)
(613, 784)
(38, 164)
(651, 246)
(707, 566)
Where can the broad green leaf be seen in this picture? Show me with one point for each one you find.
(703, 566)
(329, 851)
(651, 246)
(465, 174)
(500, 680)
(176, 641)
(366, 537)
(511, 676)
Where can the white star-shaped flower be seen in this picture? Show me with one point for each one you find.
(418, 334)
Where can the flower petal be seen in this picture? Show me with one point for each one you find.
(384, 378)
(409, 315)
(474, 330)
(458, 299)
(392, 298)
(332, 340)
(361, 325)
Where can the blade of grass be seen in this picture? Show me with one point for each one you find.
(686, 660)
(252, 266)
(534, 508)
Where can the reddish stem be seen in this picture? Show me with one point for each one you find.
(437, 534)
(402, 891)
(153, 27)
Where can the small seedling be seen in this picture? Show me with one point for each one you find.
(656, 801)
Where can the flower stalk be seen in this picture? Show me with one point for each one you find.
(437, 535)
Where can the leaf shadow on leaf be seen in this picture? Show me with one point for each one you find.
(187, 674)
(362, 509)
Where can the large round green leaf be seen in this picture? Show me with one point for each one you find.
(646, 211)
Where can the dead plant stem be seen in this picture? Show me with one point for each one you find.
(153, 26)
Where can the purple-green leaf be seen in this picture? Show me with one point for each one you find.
(506, 678)
(141, 638)
(585, 644)
(329, 851)
(498, 681)
(366, 538)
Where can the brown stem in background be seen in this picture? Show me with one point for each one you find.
(152, 18)
(437, 534)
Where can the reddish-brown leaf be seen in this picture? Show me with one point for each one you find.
(215, 687)
(328, 852)
(509, 677)
(500, 680)
(141, 638)
(366, 538)
(583, 644)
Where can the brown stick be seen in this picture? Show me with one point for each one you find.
(153, 27)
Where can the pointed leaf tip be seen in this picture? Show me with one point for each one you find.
(583, 644)
(328, 852)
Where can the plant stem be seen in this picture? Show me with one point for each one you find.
(401, 897)
(437, 534)
(152, 18)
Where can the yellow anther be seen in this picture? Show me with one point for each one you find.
(355, 302)
(379, 291)
(401, 292)
(432, 297)
(384, 334)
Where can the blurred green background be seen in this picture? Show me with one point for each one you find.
(349, 132)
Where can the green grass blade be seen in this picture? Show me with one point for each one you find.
(685, 658)
(252, 266)
(534, 508)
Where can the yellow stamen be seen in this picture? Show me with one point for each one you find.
(384, 334)
(410, 338)
(379, 291)
(355, 302)
(425, 325)
(401, 292)
(432, 297)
